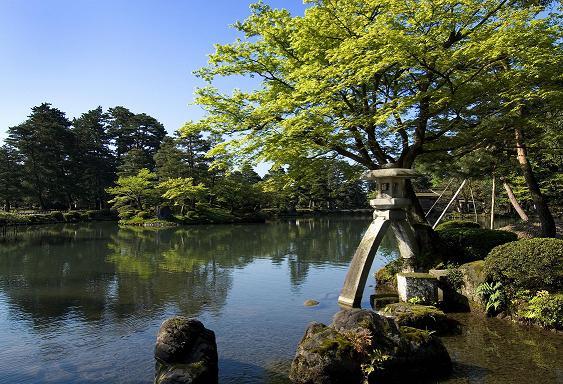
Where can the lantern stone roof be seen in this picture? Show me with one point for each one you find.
(403, 173)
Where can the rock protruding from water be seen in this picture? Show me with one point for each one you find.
(425, 317)
(361, 343)
(185, 353)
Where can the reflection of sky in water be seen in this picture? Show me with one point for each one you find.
(82, 304)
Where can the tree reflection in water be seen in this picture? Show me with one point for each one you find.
(83, 303)
(97, 268)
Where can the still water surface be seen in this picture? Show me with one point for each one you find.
(83, 303)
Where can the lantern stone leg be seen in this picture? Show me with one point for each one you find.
(406, 241)
(358, 271)
(390, 211)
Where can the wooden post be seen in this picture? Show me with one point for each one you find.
(450, 203)
(473, 199)
(514, 202)
(493, 204)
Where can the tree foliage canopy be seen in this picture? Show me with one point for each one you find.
(377, 81)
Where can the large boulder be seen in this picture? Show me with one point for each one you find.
(362, 344)
(473, 277)
(185, 353)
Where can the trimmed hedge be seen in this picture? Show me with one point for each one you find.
(533, 264)
(457, 224)
(463, 245)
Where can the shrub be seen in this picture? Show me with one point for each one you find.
(214, 215)
(219, 215)
(14, 218)
(387, 276)
(463, 245)
(71, 217)
(534, 264)
(57, 216)
(93, 215)
(145, 215)
(545, 309)
(457, 224)
(39, 218)
(454, 277)
(191, 217)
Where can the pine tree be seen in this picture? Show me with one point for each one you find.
(93, 159)
(45, 141)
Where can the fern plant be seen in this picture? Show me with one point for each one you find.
(493, 296)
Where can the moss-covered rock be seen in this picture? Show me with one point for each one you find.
(381, 299)
(473, 277)
(358, 339)
(185, 353)
(311, 303)
(424, 317)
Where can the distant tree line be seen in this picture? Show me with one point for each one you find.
(120, 158)
(52, 162)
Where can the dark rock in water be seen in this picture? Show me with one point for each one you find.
(164, 213)
(362, 343)
(422, 317)
(185, 352)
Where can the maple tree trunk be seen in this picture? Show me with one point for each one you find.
(546, 219)
(415, 212)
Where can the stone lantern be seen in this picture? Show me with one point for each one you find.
(391, 188)
(389, 211)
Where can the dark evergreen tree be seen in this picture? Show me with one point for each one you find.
(94, 163)
(184, 157)
(45, 140)
(195, 148)
(133, 161)
(140, 132)
(120, 129)
(10, 177)
(170, 160)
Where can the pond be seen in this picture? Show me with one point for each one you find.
(83, 303)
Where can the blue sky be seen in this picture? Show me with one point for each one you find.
(78, 54)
